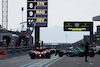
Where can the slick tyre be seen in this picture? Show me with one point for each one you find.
(48, 55)
(91, 54)
(99, 52)
(71, 55)
(33, 56)
(61, 54)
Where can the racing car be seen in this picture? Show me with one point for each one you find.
(79, 52)
(76, 52)
(39, 53)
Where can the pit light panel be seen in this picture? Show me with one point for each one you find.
(37, 12)
(78, 26)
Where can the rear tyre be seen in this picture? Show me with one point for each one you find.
(99, 52)
(33, 56)
(61, 54)
(91, 54)
(48, 55)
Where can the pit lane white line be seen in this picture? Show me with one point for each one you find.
(39, 61)
(42, 62)
(52, 62)
(30, 63)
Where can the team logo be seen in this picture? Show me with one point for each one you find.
(76, 24)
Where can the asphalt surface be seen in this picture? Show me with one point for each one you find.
(55, 61)
(25, 61)
(15, 61)
(77, 62)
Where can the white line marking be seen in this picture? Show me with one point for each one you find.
(30, 63)
(91, 63)
(36, 60)
(41, 62)
(54, 61)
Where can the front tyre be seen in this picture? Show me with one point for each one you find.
(81, 54)
(71, 55)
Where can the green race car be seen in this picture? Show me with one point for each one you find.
(79, 52)
(76, 52)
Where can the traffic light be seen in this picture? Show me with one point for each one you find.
(39, 42)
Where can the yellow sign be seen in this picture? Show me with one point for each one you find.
(40, 3)
(76, 29)
(40, 20)
(40, 11)
(85, 25)
(68, 25)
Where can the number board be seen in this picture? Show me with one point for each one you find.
(78, 26)
(37, 12)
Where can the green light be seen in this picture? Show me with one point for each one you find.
(98, 38)
(76, 29)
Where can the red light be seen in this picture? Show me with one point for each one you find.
(94, 45)
(35, 52)
(40, 55)
(45, 51)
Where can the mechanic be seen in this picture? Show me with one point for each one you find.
(21, 46)
(5, 43)
(86, 51)
(12, 47)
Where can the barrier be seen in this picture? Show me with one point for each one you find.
(8, 50)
